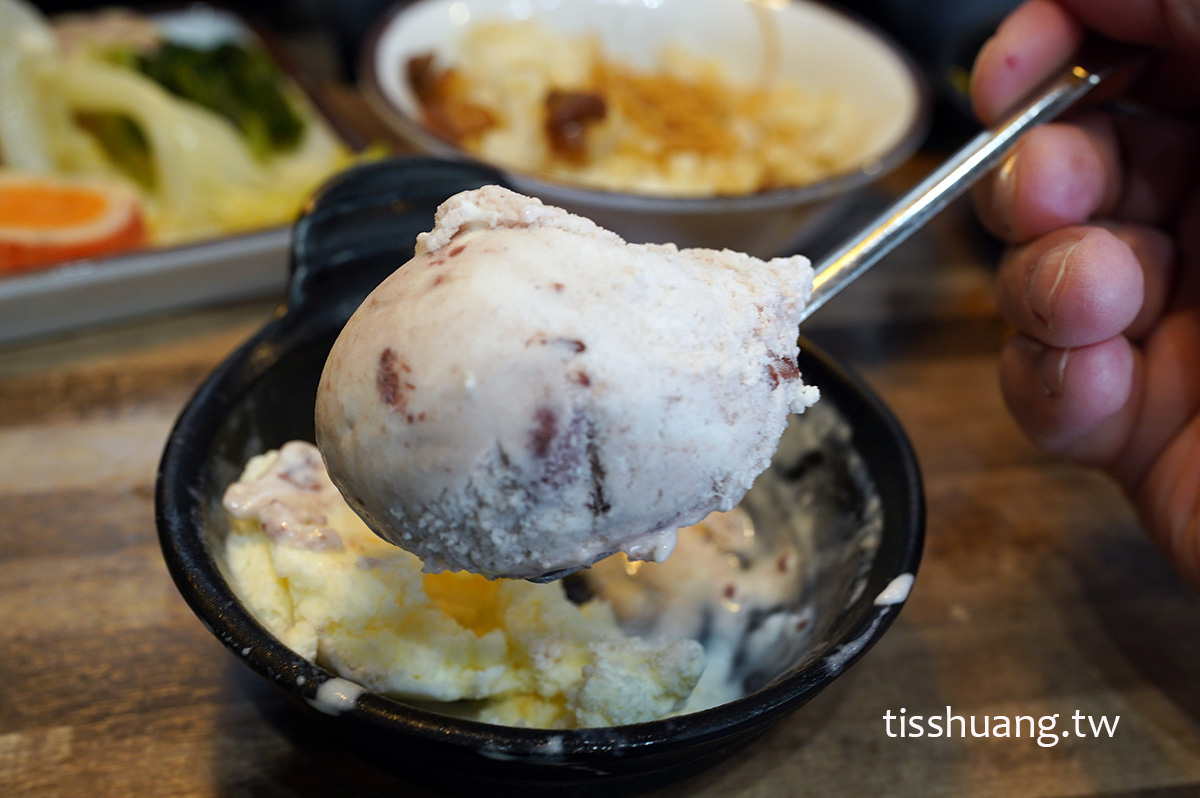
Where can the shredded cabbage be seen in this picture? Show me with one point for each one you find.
(26, 42)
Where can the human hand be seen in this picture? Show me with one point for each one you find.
(1102, 278)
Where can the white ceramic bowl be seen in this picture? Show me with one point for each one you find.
(821, 49)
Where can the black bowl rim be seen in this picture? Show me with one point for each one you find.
(555, 191)
(195, 571)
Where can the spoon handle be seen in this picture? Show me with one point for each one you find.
(1095, 62)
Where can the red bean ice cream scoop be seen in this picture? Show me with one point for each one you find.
(531, 393)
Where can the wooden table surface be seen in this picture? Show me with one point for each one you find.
(1038, 594)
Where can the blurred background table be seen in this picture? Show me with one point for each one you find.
(1038, 593)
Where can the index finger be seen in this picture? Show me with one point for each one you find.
(1040, 35)
(1031, 43)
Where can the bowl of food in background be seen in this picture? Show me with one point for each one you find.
(716, 123)
(619, 678)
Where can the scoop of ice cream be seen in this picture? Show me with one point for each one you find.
(530, 393)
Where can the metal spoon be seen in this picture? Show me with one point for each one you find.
(1096, 61)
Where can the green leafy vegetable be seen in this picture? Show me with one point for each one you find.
(242, 84)
(124, 142)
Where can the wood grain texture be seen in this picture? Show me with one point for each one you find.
(1038, 593)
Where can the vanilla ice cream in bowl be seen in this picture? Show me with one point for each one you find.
(468, 515)
(748, 124)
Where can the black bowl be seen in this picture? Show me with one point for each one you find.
(357, 230)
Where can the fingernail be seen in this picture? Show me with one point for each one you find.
(1004, 189)
(1045, 279)
(1052, 370)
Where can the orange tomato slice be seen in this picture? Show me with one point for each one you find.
(46, 220)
